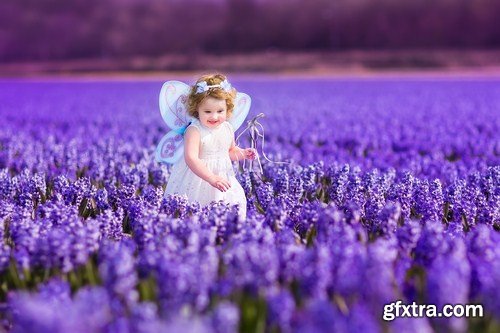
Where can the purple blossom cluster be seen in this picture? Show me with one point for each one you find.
(390, 190)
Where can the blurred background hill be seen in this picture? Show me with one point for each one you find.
(245, 35)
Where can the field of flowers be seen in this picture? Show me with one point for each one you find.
(391, 192)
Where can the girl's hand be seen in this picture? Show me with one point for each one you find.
(220, 183)
(250, 153)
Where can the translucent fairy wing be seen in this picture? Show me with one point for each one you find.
(170, 148)
(173, 96)
(241, 108)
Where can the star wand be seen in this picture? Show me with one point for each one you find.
(253, 127)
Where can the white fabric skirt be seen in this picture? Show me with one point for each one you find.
(183, 181)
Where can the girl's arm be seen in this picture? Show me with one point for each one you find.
(237, 154)
(191, 156)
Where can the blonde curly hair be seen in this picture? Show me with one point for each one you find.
(194, 99)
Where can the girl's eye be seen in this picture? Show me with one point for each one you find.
(220, 111)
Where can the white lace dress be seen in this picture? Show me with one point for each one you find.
(214, 152)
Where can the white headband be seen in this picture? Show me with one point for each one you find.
(202, 86)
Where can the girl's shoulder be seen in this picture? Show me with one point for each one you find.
(229, 126)
(196, 124)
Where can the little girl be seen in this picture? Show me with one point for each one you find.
(206, 173)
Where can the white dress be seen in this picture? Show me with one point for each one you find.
(214, 152)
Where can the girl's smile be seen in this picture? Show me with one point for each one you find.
(212, 112)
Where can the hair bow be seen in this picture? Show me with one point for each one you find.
(202, 86)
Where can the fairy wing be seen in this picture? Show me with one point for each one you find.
(241, 108)
(172, 100)
(173, 97)
(170, 148)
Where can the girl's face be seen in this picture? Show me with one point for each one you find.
(212, 112)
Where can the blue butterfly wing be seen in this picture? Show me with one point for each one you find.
(171, 147)
(172, 100)
(241, 108)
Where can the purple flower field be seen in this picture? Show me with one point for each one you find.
(391, 192)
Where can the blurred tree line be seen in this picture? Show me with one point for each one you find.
(61, 29)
